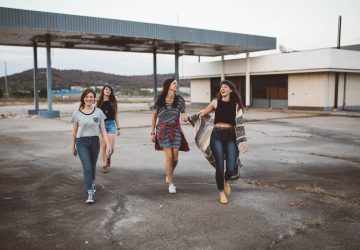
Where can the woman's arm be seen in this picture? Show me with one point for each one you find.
(211, 107)
(104, 135)
(153, 124)
(73, 138)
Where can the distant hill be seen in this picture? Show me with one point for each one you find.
(21, 84)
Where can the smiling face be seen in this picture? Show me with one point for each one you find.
(173, 86)
(89, 99)
(107, 91)
(225, 90)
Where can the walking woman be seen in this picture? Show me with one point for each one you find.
(169, 136)
(226, 135)
(88, 122)
(108, 104)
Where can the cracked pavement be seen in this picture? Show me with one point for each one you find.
(299, 189)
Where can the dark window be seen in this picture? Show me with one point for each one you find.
(270, 87)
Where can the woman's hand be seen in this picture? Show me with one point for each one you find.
(118, 132)
(108, 150)
(184, 117)
(74, 151)
(245, 146)
(153, 138)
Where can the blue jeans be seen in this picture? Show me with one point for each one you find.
(88, 151)
(223, 143)
(110, 126)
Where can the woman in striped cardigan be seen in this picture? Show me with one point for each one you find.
(227, 133)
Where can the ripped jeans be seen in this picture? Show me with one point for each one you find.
(223, 146)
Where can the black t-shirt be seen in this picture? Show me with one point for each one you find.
(225, 112)
(108, 110)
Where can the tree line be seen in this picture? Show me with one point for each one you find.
(21, 84)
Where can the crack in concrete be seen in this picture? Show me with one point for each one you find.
(338, 157)
(304, 189)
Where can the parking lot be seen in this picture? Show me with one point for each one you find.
(299, 188)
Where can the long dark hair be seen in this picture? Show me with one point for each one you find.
(234, 94)
(160, 101)
(112, 98)
(84, 93)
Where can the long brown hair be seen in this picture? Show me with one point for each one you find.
(234, 94)
(112, 98)
(160, 101)
(82, 98)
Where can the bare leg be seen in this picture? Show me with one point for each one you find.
(111, 138)
(168, 164)
(175, 152)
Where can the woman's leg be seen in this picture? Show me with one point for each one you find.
(217, 149)
(175, 152)
(94, 153)
(111, 138)
(168, 164)
(83, 149)
(231, 152)
(102, 151)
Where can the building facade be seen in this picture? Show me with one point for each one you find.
(323, 79)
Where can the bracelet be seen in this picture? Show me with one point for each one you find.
(117, 128)
(152, 133)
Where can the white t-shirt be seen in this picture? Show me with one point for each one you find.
(88, 124)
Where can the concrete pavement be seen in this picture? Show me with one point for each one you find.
(298, 189)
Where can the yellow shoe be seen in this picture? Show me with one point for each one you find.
(227, 189)
(223, 200)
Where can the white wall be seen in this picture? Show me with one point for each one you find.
(352, 90)
(340, 101)
(200, 91)
(311, 90)
(296, 62)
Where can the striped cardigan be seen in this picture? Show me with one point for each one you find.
(203, 129)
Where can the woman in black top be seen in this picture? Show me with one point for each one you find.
(108, 104)
(223, 138)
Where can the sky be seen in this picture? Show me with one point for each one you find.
(297, 25)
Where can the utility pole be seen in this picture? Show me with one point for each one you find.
(337, 73)
(6, 83)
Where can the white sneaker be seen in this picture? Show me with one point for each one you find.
(167, 180)
(172, 189)
(90, 198)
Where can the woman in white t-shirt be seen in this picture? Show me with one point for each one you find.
(88, 122)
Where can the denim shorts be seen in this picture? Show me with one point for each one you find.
(110, 126)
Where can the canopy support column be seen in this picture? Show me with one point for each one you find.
(247, 80)
(49, 113)
(155, 73)
(36, 83)
(177, 62)
(222, 68)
